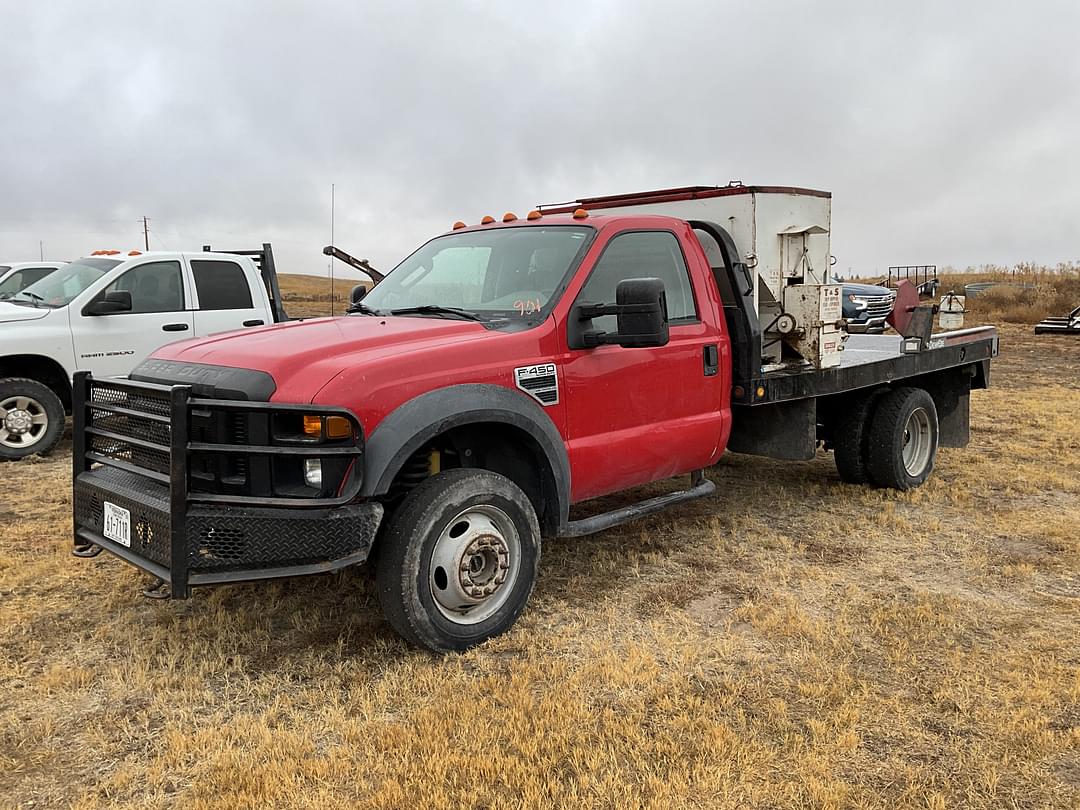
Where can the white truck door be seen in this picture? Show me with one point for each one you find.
(228, 295)
(113, 344)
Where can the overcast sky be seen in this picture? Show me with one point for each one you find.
(948, 132)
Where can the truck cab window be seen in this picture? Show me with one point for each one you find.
(22, 278)
(221, 285)
(154, 287)
(641, 254)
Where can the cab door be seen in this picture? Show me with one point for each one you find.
(113, 344)
(642, 414)
(225, 296)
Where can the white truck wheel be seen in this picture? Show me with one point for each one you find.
(31, 418)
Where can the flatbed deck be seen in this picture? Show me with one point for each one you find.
(870, 360)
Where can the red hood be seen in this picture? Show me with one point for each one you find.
(302, 356)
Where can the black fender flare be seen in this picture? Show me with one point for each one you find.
(410, 425)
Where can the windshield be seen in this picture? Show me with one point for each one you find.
(500, 273)
(22, 278)
(58, 288)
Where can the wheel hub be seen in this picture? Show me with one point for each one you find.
(474, 564)
(23, 422)
(484, 565)
(918, 442)
(18, 421)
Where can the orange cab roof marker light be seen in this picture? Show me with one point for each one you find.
(509, 216)
(487, 220)
(533, 215)
(459, 225)
(581, 213)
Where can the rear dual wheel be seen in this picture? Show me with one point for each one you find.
(458, 560)
(888, 437)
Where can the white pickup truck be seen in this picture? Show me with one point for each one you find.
(15, 276)
(105, 313)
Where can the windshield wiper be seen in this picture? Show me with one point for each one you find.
(435, 309)
(34, 297)
(362, 308)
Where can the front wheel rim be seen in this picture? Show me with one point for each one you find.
(23, 422)
(918, 442)
(474, 564)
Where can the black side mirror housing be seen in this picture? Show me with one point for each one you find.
(642, 313)
(358, 293)
(640, 309)
(109, 304)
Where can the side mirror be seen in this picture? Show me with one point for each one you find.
(640, 309)
(109, 304)
(358, 293)
(642, 313)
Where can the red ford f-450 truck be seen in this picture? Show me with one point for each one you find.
(498, 376)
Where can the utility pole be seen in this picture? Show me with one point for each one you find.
(41, 250)
(146, 232)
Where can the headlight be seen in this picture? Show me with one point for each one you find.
(313, 472)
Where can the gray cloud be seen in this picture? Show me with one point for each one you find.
(944, 129)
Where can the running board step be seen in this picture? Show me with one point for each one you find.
(700, 487)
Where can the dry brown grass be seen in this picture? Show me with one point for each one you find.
(309, 296)
(1028, 292)
(790, 642)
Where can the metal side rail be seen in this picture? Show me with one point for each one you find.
(700, 487)
(1069, 325)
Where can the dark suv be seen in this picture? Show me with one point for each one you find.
(866, 307)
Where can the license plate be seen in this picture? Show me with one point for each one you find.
(118, 524)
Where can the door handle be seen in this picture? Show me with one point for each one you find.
(256, 322)
(174, 327)
(710, 356)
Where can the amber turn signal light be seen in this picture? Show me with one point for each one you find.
(332, 427)
(338, 427)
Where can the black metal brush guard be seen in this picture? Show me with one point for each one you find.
(140, 461)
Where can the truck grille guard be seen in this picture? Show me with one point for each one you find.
(133, 445)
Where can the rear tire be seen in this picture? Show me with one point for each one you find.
(851, 437)
(31, 418)
(458, 560)
(903, 439)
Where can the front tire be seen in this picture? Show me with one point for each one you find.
(903, 439)
(31, 418)
(458, 560)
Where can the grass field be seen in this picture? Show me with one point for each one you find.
(791, 641)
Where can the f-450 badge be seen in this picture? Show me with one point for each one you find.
(539, 382)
